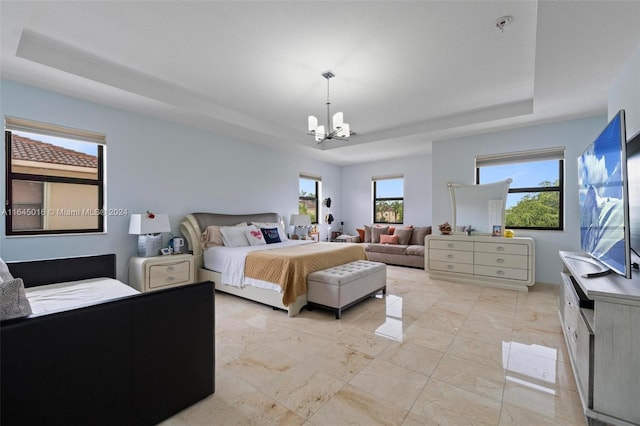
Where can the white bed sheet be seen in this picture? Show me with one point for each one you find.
(48, 299)
(229, 262)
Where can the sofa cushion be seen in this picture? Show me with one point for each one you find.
(404, 235)
(377, 231)
(388, 239)
(367, 233)
(418, 235)
(415, 250)
(386, 248)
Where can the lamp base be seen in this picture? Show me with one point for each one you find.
(149, 245)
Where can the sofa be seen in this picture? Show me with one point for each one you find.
(395, 245)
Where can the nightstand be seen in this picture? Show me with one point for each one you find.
(158, 272)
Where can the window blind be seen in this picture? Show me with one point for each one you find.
(30, 126)
(556, 153)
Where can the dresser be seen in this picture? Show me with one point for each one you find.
(158, 272)
(483, 260)
(600, 319)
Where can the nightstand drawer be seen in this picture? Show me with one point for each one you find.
(169, 269)
(169, 274)
(159, 272)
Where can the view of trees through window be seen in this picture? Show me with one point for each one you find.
(388, 200)
(308, 198)
(535, 195)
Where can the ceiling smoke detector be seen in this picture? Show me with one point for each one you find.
(502, 22)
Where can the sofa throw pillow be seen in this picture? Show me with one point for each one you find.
(360, 232)
(418, 235)
(13, 300)
(388, 239)
(233, 236)
(255, 237)
(271, 235)
(376, 232)
(367, 233)
(404, 235)
(5, 275)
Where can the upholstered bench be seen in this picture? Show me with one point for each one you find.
(345, 285)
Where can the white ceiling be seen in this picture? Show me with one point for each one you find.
(407, 72)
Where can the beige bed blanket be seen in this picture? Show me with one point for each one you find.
(289, 266)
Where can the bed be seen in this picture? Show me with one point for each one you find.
(134, 360)
(275, 277)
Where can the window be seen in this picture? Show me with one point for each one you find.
(308, 197)
(536, 195)
(388, 200)
(55, 179)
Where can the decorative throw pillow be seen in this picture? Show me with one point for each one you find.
(5, 275)
(271, 235)
(233, 236)
(418, 235)
(388, 239)
(360, 232)
(255, 237)
(281, 232)
(367, 234)
(392, 229)
(376, 232)
(13, 300)
(211, 237)
(404, 235)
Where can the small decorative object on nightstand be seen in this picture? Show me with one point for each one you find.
(315, 236)
(159, 272)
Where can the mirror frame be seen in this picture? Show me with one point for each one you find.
(501, 189)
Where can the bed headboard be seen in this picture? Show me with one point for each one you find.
(192, 226)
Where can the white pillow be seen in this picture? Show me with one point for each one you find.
(281, 232)
(255, 237)
(5, 275)
(233, 236)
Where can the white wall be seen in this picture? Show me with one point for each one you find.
(453, 160)
(357, 197)
(163, 167)
(624, 93)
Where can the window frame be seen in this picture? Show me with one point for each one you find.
(10, 177)
(555, 154)
(374, 181)
(317, 182)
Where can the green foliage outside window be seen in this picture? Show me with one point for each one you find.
(536, 209)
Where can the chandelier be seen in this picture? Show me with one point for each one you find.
(336, 128)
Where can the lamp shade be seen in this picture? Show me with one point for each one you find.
(300, 220)
(141, 224)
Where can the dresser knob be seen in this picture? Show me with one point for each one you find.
(500, 248)
(170, 268)
(449, 256)
(450, 245)
(500, 272)
(450, 267)
(500, 260)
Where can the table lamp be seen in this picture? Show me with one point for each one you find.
(149, 228)
(300, 221)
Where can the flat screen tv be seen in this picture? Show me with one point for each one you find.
(604, 201)
(633, 172)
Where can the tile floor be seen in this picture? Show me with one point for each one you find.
(429, 353)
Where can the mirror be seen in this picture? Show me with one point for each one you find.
(479, 206)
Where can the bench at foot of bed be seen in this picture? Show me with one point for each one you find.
(345, 285)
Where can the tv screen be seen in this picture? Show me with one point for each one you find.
(604, 209)
(633, 172)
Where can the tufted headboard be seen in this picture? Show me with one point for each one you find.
(192, 226)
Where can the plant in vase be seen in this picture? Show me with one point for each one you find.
(445, 228)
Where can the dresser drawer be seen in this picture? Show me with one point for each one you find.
(451, 245)
(499, 272)
(520, 249)
(501, 260)
(451, 256)
(461, 268)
